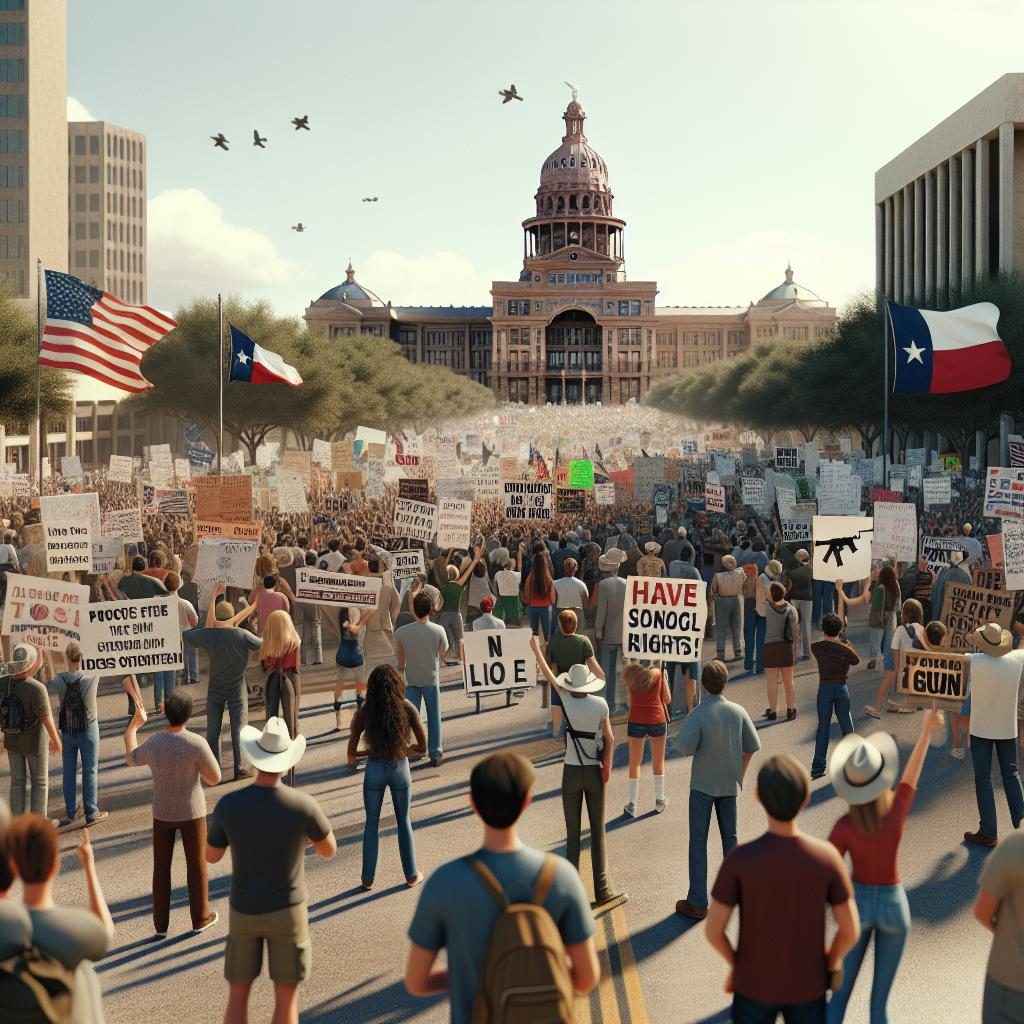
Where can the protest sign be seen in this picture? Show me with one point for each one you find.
(172, 501)
(811, 458)
(1013, 554)
(604, 494)
(581, 474)
(785, 498)
(71, 467)
(994, 543)
(454, 520)
(966, 607)
(349, 480)
(321, 453)
(1004, 493)
(407, 451)
(497, 660)
(120, 469)
(714, 496)
(646, 473)
(528, 500)
(226, 499)
(182, 470)
(884, 494)
(895, 535)
(787, 458)
(122, 637)
(663, 619)
(937, 490)
(67, 510)
(370, 435)
(228, 531)
(795, 531)
(414, 489)
(318, 586)
(416, 520)
(928, 676)
(643, 525)
(457, 488)
(125, 523)
(226, 561)
(487, 481)
(936, 550)
(105, 553)
(406, 564)
(374, 486)
(68, 546)
(842, 548)
(341, 456)
(46, 613)
(291, 493)
(987, 577)
(570, 502)
(752, 488)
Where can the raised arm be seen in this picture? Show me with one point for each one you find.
(545, 668)
(930, 722)
(472, 565)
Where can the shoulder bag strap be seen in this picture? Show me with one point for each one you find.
(576, 737)
(487, 879)
(545, 877)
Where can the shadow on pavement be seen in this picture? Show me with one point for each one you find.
(390, 1004)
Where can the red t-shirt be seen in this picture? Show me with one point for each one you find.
(648, 708)
(290, 662)
(782, 885)
(876, 858)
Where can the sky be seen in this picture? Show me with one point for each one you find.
(739, 134)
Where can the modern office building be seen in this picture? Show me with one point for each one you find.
(571, 326)
(107, 208)
(946, 208)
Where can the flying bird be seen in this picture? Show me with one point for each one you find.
(257, 139)
(300, 227)
(301, 122)
(219, 141)
(509, 94)
(369, 199)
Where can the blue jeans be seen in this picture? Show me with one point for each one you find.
(237, 704)
(831, 697)
(981, 755)
(431, 696)
(754, 627)
(451, 623)
(611, 657)
(749, 1011)
(823, 601)
(700, 823)
(191, 664)
(163, 686)
(885, 913)
(86, 744)
(543, 617)
(727, 622)
(393, 775)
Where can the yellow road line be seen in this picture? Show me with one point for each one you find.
(636, 1007)
(606, 986)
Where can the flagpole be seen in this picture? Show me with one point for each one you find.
(39, 355)
(885, 393)
(220, 350)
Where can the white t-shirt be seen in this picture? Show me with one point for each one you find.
(902, 641)
(332, 561)
(571, 592)
(994, 686)
(187, 617)
(586, 714)
(507, 582)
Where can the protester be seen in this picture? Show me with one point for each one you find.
(539, 594)
(611, 599)
(754, 641)
(955, 573)
(280, 657)
(307, 623)
(178, 760)
(571, 592)
(268, 826)
(507, 584)
(722, 739)
(726, 592)
(479, 589)
(451, 596)
(349, 658)
(649, 715)
(781, 624)
(187, 619)
(835, 657)
(800, 594)
(421, 647)
(863, 773)
(908, 635)
(566, 648)
(999, 907)
(487, 619)
(650, 564)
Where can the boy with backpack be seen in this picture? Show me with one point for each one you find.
(80, 736)
(507, 915)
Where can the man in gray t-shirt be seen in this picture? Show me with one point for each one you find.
(421, 647)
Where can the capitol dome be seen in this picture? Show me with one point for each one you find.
(350, 290)
(574, 163)
(789, 291)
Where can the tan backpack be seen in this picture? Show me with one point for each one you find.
(525, 977)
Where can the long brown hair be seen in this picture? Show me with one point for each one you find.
(640, 678)
(887, 578)
(539, 582)
(385, 721)
(869, 819)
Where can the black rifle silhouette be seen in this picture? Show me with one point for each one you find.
(835, 547)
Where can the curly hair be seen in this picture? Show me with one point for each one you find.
(385, 722)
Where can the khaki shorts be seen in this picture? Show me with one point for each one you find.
(286, 933)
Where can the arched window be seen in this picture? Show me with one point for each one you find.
(563, 161)
(560, 208)
(550, 204)
(572, 161)
(586, 202)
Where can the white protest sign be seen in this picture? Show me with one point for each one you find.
(370, 435)
(318, 586)
(937, 490)
(45, 613)
(1004, 493)
(416, 520)
(406, 564)
(785, 498)
(810, 458)
(226, 561)
(105, 553)
(374, 486)
(795, 531)
(895, 532)
(121, 469)
(497, 660)
(528, 500)
(121, 637)
(604, 494)
(936, 550)
(291, 494)
(714, 497)
(182, 470)
(663, 619)
(125, 523)
(79, 509)
(322, 453)
(487, 481)
(647, 473)
(229, 531)
(454, 519)
(842, 548)
(68, 546)
(787, 458)
(71, 466)
(1013, 554)
(753, 491)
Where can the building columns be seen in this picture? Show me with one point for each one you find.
(941, 233)
(929, 239)
(920, 254)
(897, 248)
(967, 218)
(955, 228)
(908, 244)
(981, 209)
(1006, 190)
(880, 247)
(887, 283)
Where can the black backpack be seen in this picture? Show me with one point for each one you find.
(36, 988)
(12, 712)
(72, 717)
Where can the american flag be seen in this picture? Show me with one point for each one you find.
(90, 331)
(172, 502)
(1016, 451)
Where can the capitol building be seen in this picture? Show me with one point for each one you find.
(572, 327)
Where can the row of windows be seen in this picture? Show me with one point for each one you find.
(117, 176)
(518, 307)
(117, 149)
(12, 5)
(12, 246)
(519, 362)
(480, 360)
(479, 339)
(116, 204)
(12, 33)
(12, 176)
(12, 211)
(93, 230)
(630, 336)
(93, 200)
(796, 333)
(79, 174)
(574, 361)
(92, 259)
(12, 70)
(556, 163)
(442, 338)
(667, 360)
(13, 140)
(578, 278)
(453, 360)
(12, 106)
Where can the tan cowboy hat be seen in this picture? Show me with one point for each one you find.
(611, 560)
(579, 679)
(652, 547)
(284, 557)
(271, 750)
(864, 767)
(991, 639)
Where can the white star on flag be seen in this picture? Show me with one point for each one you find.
(914, 353)
(243, 358)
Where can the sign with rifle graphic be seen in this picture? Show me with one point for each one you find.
(842, 548)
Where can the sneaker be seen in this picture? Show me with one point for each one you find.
(770, 715)
(98, 816)
(660, 805)
(610, 897)
(817, 774)
(691, 910)
(208, 923)
(871, 711)
(790, 714)
(895, 708)
(629, 810)
(64, 824)
(871, 665)
(436, 762)
(958, 753)
(979, 839)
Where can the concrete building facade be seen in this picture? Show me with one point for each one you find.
(107, 208)
(572, 327)
(950, 208)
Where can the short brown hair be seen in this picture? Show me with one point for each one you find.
(500, 784)
(714, 676)
(776, 592)
(912, 610)
(567, 621)
(73, 652)
(935, 631)
(782, 786)
(172, 581)
(32, 844)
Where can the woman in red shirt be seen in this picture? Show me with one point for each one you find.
(863, 771)
(649, 699)
(279, 656)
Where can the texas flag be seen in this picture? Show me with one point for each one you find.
(939, 353)
(251, 364)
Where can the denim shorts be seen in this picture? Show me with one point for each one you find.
(638, 730)
(889, 660)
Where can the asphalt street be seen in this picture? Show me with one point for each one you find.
(657, 966)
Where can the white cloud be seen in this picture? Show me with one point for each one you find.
(193, 251)
(77, 111)
(438, 279)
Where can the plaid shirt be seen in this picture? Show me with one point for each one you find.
(834, 660)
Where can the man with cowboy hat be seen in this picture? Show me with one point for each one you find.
(651, 564)
(268, 826)
(610, 590)
(995, 680)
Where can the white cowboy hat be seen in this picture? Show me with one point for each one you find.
(864, 767)
(272, 750)
(611, 560)
(579, 679)
(652, 547)
(24, 658)
(284, 557)
(991, 639)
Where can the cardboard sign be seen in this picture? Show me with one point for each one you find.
(231, 562)
(406, 564)
(646, 473)
(67, 510)
(68, 546)
(569, 501)
(714, 497)
(228, 531)
(604, 494)
(71, 467)
(296, 462)
(787, 458)
(454, 521)
(936, 550)
(1013, 554)
(349, 480)
(318, 586)
(321, 454)
(528, 500)
(842, 548)
(663, 619)
(929, 676)
(45, 613)
(937, 490)
(1004, 493)
(785, 499)
(291, 493)
(965, 608)
(752, 488)
(497, 660)
(341, 456)
(416, 520)
(895, 533)
(581, 474)
(988, 578)
(795, 531)
(225, 499)
(105, 553)
(123, 637)
(416, 489)
(125, 523)
(121, 469)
